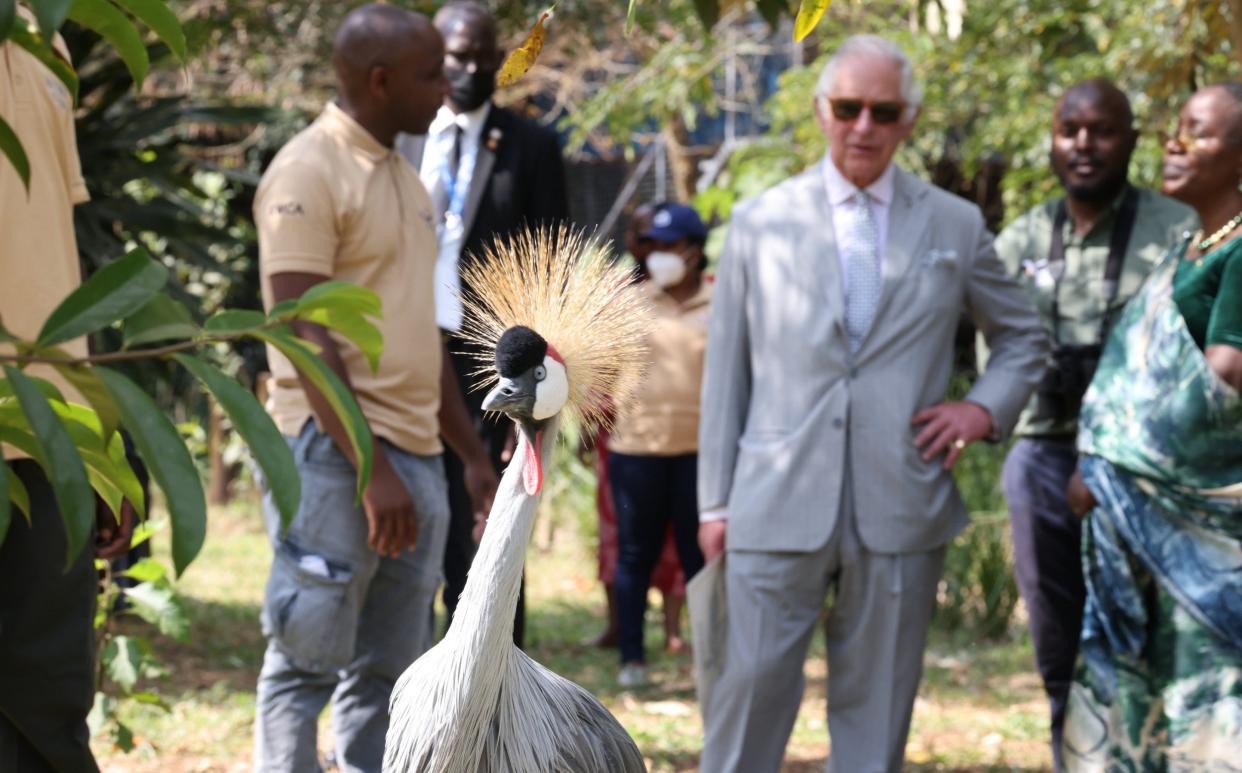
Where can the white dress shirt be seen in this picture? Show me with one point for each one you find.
(436, 173)
(840, 191)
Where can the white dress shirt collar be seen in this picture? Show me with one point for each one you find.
(840, 189)
(471, 122)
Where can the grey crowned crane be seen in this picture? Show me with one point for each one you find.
(562, 334)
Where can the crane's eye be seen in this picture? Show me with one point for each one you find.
(540, 373)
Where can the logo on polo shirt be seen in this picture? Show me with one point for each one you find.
(288, 208)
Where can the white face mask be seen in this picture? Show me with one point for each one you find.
(666, 269)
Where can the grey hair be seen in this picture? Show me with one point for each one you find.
(876, 47)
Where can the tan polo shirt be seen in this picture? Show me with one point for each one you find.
(38, 251)
(337, 203)
(663, 419)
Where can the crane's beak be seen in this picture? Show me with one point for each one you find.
(513, 396)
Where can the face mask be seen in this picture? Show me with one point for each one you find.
(666, 269)
(470, 90)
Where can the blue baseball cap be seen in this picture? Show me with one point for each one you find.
(673, 222)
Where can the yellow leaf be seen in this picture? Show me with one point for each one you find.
(521, 59)
(809, 14)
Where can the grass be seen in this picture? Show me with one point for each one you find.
(980, 707)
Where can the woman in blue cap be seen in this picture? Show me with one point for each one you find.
(653, 450)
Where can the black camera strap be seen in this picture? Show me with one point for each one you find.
(1119, 240)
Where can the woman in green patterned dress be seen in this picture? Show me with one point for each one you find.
(1159, 680)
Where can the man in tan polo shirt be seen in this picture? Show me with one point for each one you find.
(47, 646)
(346, 608)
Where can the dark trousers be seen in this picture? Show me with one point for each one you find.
(47, 647)
(1048, 564)
(649, 492)
(459, 549)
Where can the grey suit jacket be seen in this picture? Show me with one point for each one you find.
(788, 410)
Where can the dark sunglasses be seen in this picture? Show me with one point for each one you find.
(881, 112)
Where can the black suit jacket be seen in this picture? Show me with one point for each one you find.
(519, 179)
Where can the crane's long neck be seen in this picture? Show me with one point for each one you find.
(483, 622)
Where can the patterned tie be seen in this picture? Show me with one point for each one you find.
(862, 254)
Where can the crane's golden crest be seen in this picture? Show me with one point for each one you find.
(562, 284)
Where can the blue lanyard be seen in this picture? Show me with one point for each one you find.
(456, 193)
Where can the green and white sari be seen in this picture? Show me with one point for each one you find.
(1159, 680)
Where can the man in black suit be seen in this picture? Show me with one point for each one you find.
(489, 171)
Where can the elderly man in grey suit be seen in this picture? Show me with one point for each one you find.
(826, 441)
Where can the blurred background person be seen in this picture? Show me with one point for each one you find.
(667, 576)
(653, 451)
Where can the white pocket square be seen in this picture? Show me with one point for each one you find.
(947, 258)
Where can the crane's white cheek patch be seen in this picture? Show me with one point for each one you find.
(551, 393)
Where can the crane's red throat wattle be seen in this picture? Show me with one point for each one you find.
(532, 466)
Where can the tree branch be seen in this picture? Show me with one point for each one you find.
(102, 359)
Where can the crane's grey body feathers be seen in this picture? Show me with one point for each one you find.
(475, 703)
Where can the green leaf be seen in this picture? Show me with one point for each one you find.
(8, 13)
(150, 699)
(708, 12)
(13, 150)
(146, 570)
(122, 660)
(366, 336)
(169, 462)
(809, 14)
(50, 13)
(160, 319)
(87, 382)
(772, 10)
(157, 15)
(109, 471)
(113, 292)
(234, 321)
(40, 47)
(160, 607)
(18, 493)
(334, 391)
(64, 467)
(49, 390)
(341, 296)
(116, 28)
(269, 447)
(145, 531)
(629, 17)
(283, 310)
(123, 737)
(19, 436)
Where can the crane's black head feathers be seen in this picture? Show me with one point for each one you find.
(519, 350)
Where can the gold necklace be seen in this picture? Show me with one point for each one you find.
(1206, 244)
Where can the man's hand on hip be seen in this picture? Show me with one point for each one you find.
(392, 521)
(712, 538)
(951, 426)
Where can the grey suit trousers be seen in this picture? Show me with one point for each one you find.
(876, 629)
